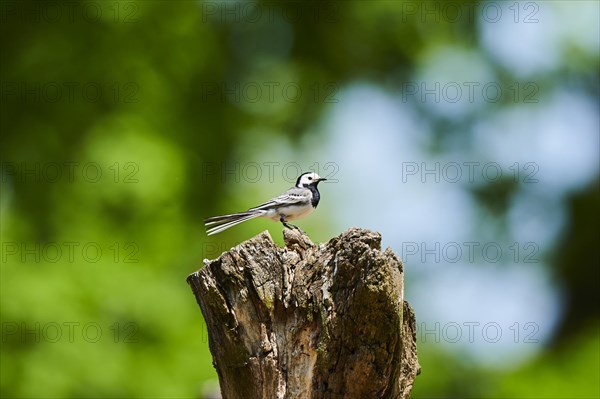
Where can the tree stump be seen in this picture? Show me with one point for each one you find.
(309, 321)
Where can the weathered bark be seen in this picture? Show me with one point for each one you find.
(309, 321)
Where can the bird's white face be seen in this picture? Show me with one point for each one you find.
(309, 178)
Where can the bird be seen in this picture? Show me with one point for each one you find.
(297, 202)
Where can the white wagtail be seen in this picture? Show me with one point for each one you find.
(295, 203)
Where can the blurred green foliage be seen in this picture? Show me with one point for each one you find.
(122, 105)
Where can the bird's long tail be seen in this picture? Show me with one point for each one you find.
(217, 224)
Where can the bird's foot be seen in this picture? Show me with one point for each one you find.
(293, 227)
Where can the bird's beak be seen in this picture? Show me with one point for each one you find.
(322, 179)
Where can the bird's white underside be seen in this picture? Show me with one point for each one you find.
(292, 212)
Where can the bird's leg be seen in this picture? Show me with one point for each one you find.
(286, 224)
(289, 225)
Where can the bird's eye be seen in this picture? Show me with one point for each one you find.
(309, 178)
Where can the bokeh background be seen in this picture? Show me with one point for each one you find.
(467, 133)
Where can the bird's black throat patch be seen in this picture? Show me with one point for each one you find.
(315, 195)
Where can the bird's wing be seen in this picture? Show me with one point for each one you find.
(293, 196)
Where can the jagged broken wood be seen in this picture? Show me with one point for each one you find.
(309, 321)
